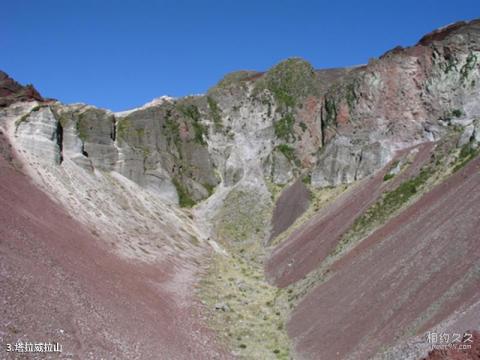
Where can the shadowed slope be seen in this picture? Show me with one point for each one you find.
(290, 205)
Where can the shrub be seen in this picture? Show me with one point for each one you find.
(388, 176)
(284, 127)
(184, 198)
(215, 112)
(287, 150)
(467, 153)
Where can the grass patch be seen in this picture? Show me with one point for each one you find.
(192, 112)
(123, 127)
(289, 81)
(287, 151)
(467, 153)
(284, 127)
(469, 66)
(243, 217)
(184, 198)
(172, 128)
(247, 310)
(25, 117)
(307, 179)
(381, 211)
(388, 176)
(215, 113)
(210, 188)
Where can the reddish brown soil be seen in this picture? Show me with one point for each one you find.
(472, 353)
(406, 277)
(290, 205)
(307, 247)
(59, 284)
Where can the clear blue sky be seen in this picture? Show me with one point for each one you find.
(121, 54)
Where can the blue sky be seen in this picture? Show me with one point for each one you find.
(121, 54)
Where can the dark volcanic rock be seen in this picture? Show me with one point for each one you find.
(11, 91)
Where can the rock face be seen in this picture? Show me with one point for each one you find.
(341, 124)
(11, 91)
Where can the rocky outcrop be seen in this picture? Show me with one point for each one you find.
(340, 124)
(342, 162)
(146, 146)
(402, 98)
(11, 91)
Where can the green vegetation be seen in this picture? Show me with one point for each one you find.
(247, 311)
(388, 176)
(287, 150)
(243, 217)
(191, 111)
(210, 188)
(289, 81)
(381, 211)
(63, 119)
(184, 198)
(234, 78)
(331, 111)
(467, 153)
(24, 117)
(215, 113)
(307, 179)
(284, 127)
(274, 189)
(172, 128)
(351, 95)
(450, 65)
(455, 113)
(21, 120)
(200, 131)
(82, 129)
(123, 127)
(468, 67)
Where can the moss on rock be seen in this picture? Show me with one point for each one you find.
(290, 81)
